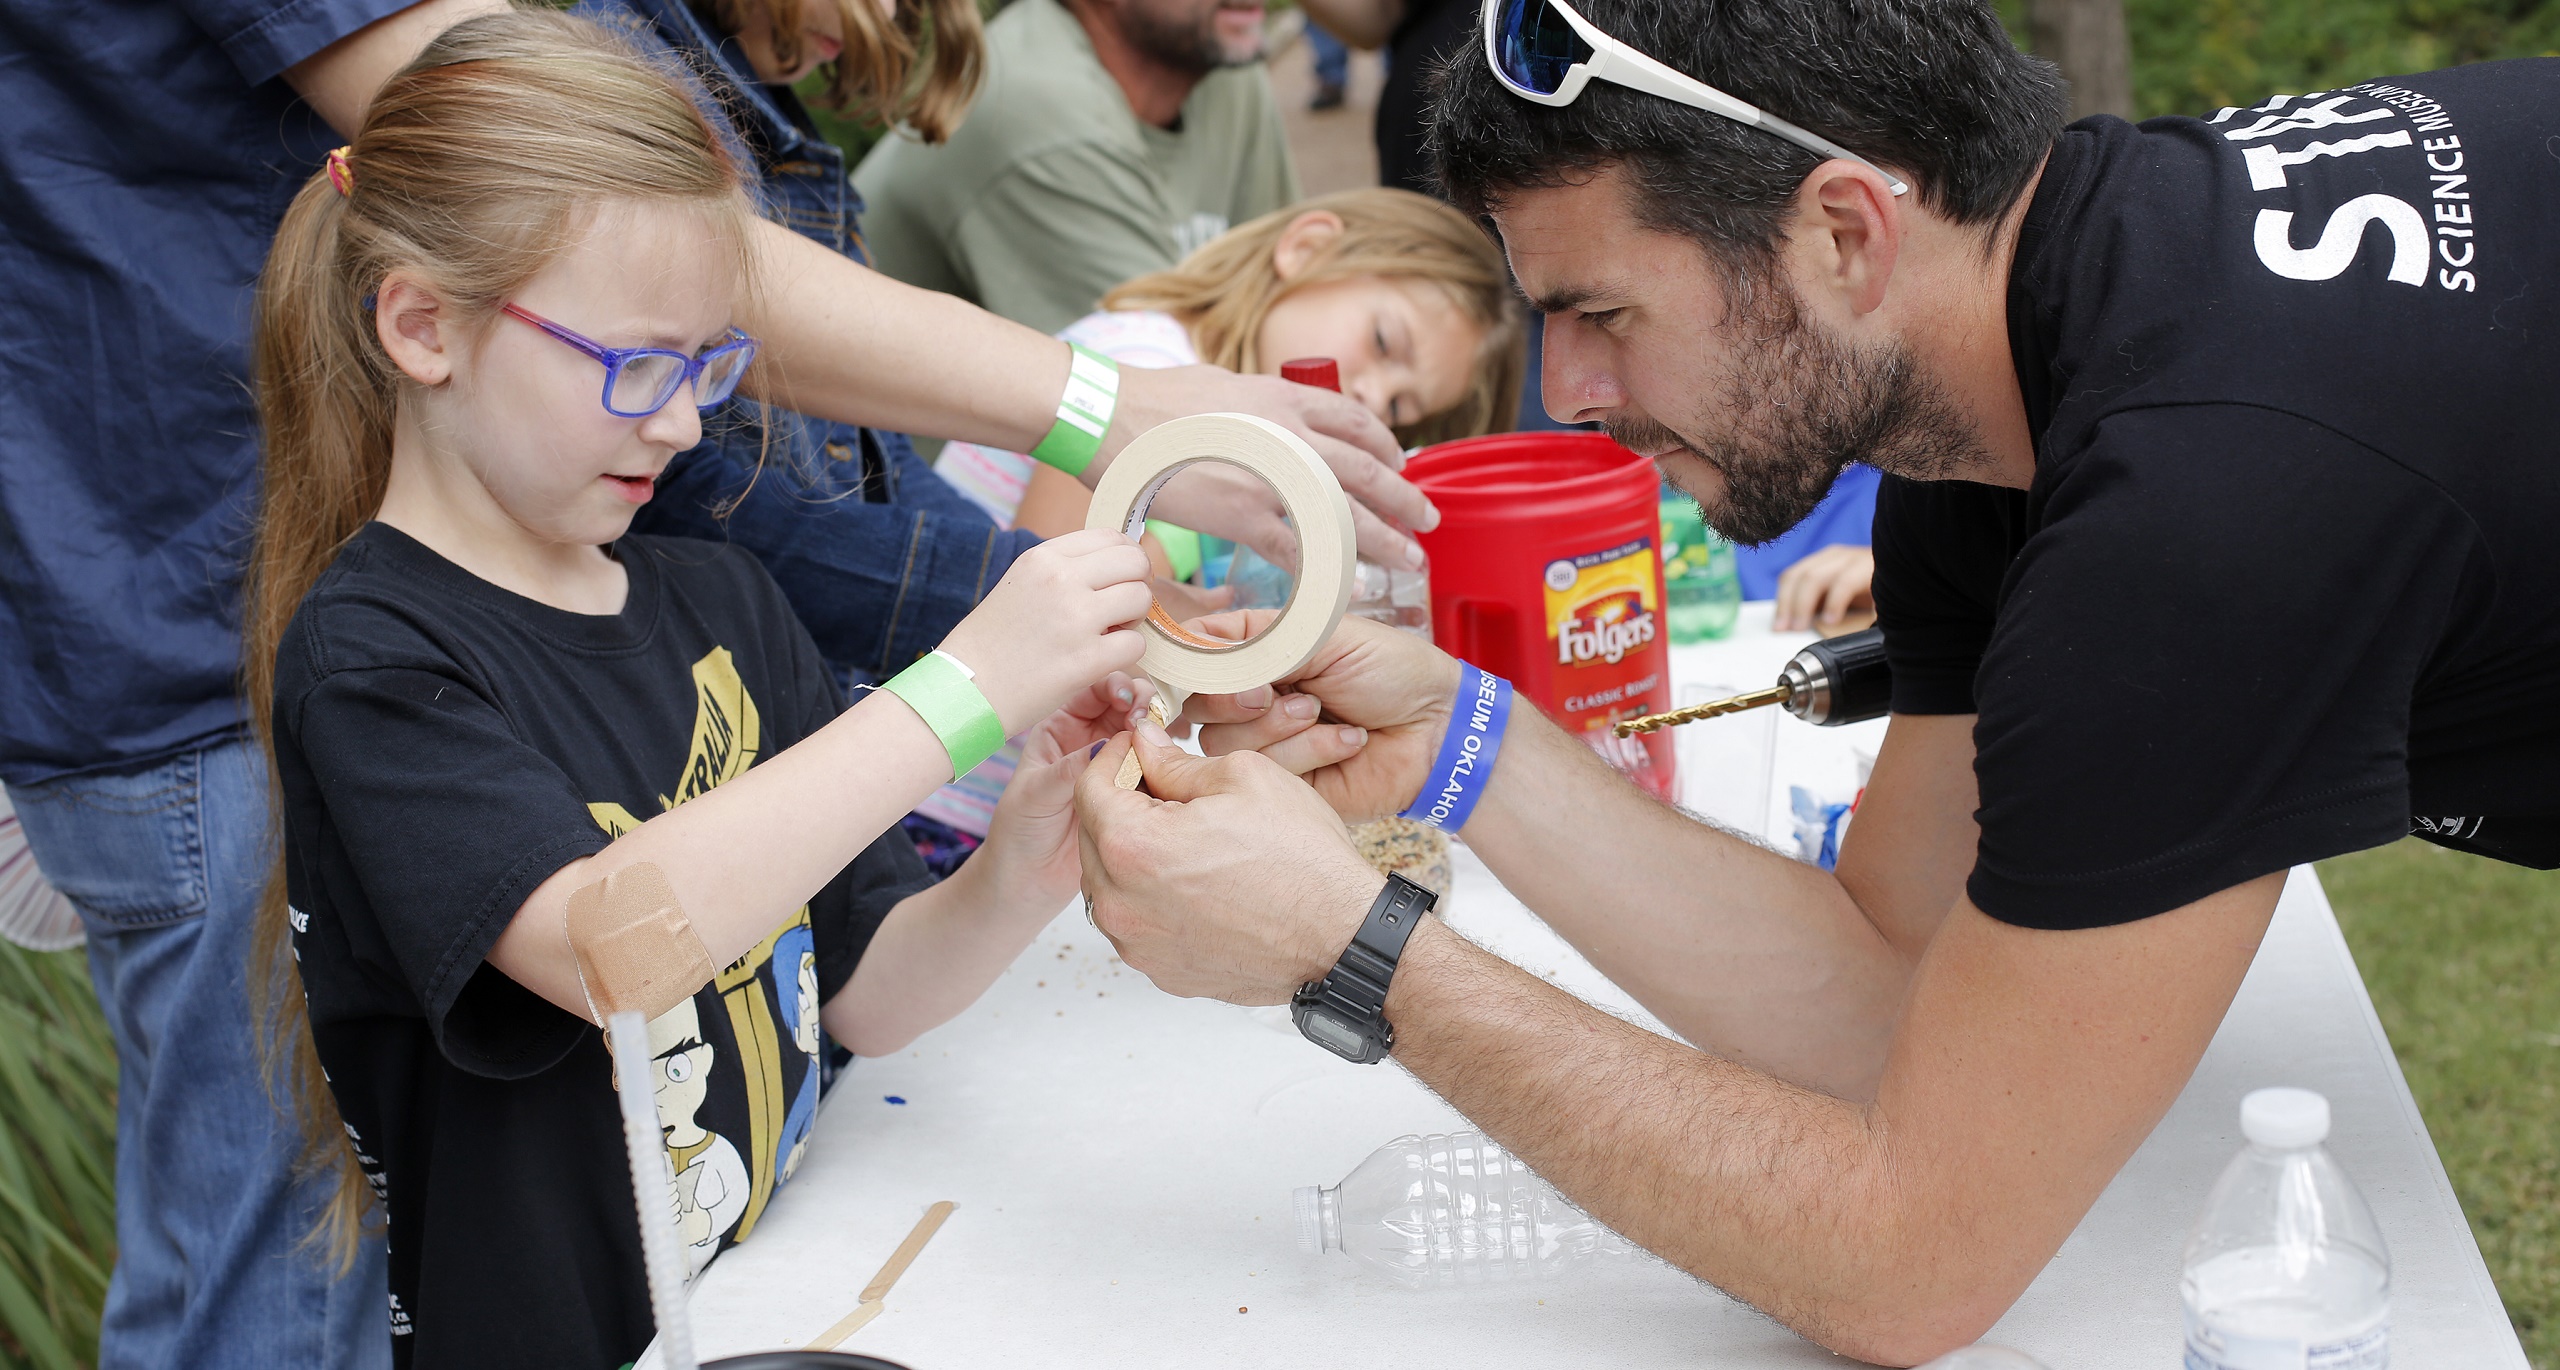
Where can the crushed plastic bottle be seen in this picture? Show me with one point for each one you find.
(1985, 1357)
(1449, 1209)
(2287, 1268)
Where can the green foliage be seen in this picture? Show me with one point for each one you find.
(57, 1160)
(2194, 56)
(2463, 958)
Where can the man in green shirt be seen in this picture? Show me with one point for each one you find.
(1111, 138)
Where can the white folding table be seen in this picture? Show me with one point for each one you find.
(1123, 1160)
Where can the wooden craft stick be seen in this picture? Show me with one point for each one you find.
(905, 1255)
(843, 1331)
(876, 1293)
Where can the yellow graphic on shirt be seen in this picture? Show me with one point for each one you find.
(719, 1192)
(727, 734)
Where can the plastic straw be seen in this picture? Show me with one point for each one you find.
(652, 1188)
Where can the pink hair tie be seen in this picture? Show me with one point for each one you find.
(341, 173)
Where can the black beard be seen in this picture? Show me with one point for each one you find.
(1803, 404)
(1193, 49)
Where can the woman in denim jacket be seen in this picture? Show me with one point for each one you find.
(878, 556)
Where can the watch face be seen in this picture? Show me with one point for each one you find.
(1344, 1039)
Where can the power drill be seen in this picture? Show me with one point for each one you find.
(1843, 679)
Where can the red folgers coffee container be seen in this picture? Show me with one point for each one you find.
(1544, 570)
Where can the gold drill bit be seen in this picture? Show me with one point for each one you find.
(1775, 694)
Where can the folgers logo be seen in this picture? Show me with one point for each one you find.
(1600, 605)
(1604, 631)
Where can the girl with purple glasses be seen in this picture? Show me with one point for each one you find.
(481, 338)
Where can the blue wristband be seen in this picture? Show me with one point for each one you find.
(1477, 719)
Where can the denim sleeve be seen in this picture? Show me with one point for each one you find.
(878, 556)
(263, 37)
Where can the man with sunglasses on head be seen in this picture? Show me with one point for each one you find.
(2213, 541)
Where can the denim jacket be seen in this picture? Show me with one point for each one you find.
(875, 552)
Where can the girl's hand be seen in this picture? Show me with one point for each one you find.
(1032, 841)
(1062, 618)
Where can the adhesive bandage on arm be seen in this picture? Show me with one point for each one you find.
(636, 951)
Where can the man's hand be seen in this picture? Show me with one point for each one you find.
(1234, 504)
(1826, 590)
(1236, 884)
(1392, 684)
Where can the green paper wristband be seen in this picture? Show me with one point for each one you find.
(1084, 412)
(939, 689)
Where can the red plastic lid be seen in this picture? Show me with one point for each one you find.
(1316, 371)
(1531, 468)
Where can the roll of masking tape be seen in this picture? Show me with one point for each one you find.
(1183, 663)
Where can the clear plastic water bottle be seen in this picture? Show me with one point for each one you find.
(1449, 1209)
(1985, 1357)
(2286, 1269)
(1399, 599)
(1703, 591)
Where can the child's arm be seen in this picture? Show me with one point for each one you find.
(939, 949)
(741, 857)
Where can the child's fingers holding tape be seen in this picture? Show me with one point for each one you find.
(1125, 602)
(1106, 567)
(1084, 542)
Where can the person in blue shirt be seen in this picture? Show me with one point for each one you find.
(153, 148)
(1820, 572)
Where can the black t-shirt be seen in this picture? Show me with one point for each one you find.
(444, 746)
(2285, 585)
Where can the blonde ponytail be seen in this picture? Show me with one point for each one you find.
(473, 167)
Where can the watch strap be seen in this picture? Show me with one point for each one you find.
(1371, 958)
(1356, 987)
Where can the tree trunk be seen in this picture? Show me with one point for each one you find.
(2086, 39)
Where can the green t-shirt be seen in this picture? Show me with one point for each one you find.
(1053, 190)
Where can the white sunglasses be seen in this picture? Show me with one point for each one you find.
(1537, 58)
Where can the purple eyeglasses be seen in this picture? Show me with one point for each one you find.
(638, 381)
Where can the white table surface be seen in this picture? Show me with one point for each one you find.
(1123, 1160)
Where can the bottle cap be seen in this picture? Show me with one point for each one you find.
(1319, 372)
(2284, 1118)
(1310, 1224)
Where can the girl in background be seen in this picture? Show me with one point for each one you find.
(482, 336)
(1411, 301)
(1407, 297)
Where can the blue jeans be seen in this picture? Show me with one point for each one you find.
(165, 865)
(1333, 60)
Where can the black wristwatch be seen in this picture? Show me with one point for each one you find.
(1345, 1012)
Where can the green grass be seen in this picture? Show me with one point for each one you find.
(57, 1160)
(2462, 956)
